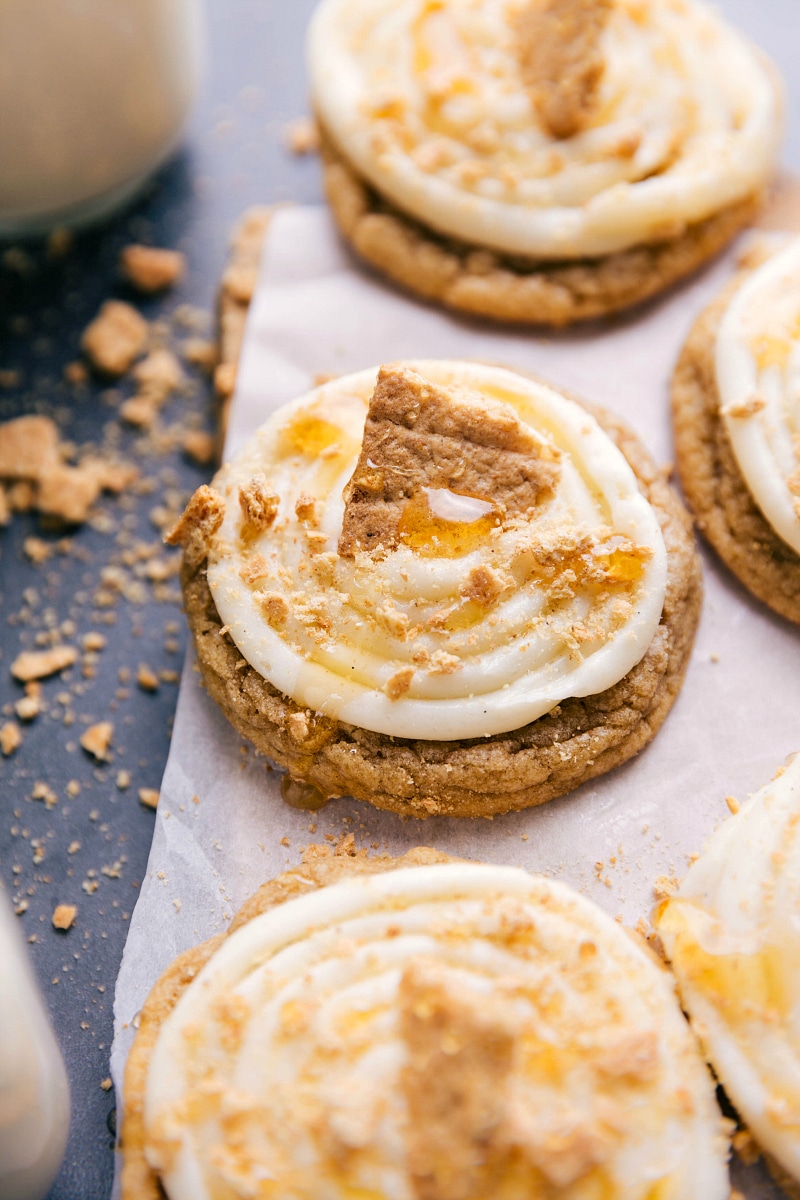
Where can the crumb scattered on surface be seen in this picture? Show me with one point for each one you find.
(64, 916)
(115, 338)
(147, 678)
(151, 269)
(149, 797)
(665, 886)
(732, 803)
(97, 739)
(38, 664)
(10, 738)
(199, 446)
(301, 136)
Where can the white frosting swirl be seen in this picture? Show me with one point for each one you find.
(425, 98)
(758, 381)
(580, 579)
(280, 1071)
(731, 934)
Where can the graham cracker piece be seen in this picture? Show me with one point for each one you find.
(115, 338)
(151, 269)
(198, 524)
(562, 63)
(420, 435)
(460, 1055)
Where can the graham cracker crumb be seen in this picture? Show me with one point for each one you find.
(199, 522)
(442, 663)
(732, 803)
(64, 916)
(115, 338)
(200, 352)
(27, 708)
(38, 664)
(399, 683)
(96, 740)
(10, 738)
(149, 797)
(306, 508)
(147, 678)
(297, 724)
(484, 585)
(744, 408)
(28, 447)
(106, 1084)
(301, 136)
(199, 446)
(275, 607)
(259, 505)
(561, 60)
(665, 886)
(150, 269)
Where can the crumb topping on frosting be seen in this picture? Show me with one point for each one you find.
(435, 1033)
(551, 129)
(447, 550)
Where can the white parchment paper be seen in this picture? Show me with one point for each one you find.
(221, 828)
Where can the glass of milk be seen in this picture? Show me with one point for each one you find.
(34, 1093)
(94, 95)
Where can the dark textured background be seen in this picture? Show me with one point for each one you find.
(233, 157)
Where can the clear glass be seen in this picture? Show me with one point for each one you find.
(34, 1093)
(94, 95)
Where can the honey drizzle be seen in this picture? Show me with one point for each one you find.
(299, 794)
(423, 528)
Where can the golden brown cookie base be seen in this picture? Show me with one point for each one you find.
(321, 866)
(725, 511)
(579, 740)
(475, 280)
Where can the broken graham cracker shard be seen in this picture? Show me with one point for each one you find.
(198, 524)
(461, 1050)
(562, 61)
(426, 446)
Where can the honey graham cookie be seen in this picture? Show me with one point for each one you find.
(731, 938)
(442, 587)
(418, 1029)
(736, 412)
(539, 161)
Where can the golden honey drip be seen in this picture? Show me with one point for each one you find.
(298, 794)
(309, 434)
(435, 536)
(622, 566)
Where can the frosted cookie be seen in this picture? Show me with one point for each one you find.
(730, 933)
(443, 587)
(431, 1030)
(736, 409)
(540, 161)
